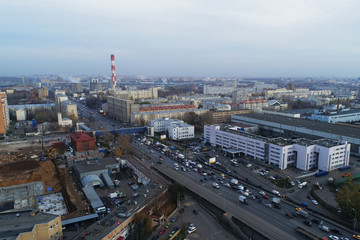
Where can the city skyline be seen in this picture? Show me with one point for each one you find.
(185, 38)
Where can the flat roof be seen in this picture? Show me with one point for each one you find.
(94, 165)
(12, 226)
(309, 124)
(81, 136)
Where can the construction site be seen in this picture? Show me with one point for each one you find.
(25, 163)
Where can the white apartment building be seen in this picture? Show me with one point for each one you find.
(176, 129)
(323, 154)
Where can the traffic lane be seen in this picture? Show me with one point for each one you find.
(206, 225)
(282, 212)
(266, 223)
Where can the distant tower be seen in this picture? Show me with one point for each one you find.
(112, 82)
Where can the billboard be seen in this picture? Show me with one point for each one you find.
(163, 137)
(212, 160)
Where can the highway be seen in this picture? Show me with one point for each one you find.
(264, 219)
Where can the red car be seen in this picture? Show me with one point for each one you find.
(265, 196)
(162, 231)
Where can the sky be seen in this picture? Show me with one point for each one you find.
(242, 38)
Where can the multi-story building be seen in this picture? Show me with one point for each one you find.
(297, 127)
(95, 85)
(254, 104)
(282, 92)
(337, 116)
(31, 226)
(176, 129)
(218, 90)
(64, 122)
(137, 94)
(69, 109)
(323, 154)
(43, 93)
(225, 116)
(142, 118)
(76, 87)
(240, 95)
(82, 142)
(4, 113)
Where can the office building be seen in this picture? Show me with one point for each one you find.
(176, 129)
(304, 154)
(4, 114)
(76, 87)
(298, 127)
(150, 93)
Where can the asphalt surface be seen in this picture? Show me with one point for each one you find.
(274, 220)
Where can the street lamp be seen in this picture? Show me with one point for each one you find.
(355, 219)
(214, 234)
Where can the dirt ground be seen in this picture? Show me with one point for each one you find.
(20, 163)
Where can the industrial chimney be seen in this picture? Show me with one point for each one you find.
(112, 82)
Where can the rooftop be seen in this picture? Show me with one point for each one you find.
(94, 165)
(81, 136)
(12, 226)
(164, 108)
(304, 123)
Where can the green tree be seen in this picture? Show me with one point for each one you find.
(348, 198)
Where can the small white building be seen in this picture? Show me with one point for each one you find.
(176, 129)
(20, 115)
(64, 121)
(323, 154)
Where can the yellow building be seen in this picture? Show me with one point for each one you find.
(225, 116)
(27, 226)
(4, 113)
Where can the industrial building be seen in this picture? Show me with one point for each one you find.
(322, 154)
(4, 113)
(345, 115)
(176, 129)
(298, 127)
(95, 85)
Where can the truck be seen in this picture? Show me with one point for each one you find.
(113, 195)
(276, 200)
(303, 184)
(308, 234)
(322, 173)
(234, 181)
(243, 199)
(302, 213)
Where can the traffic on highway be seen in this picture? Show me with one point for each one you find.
(260, 200)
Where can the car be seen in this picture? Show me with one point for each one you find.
(262, 193)
(195, 212)
(167, 225)
(268, 205)
(314, 202)
(181, 210)
(289, 215)
(304, 204)
(277, 206)
(291, 191)
(333, 237)
(317, 221)
(292, 183)
(324, 228)
(335, 230)
(265, 196)
(309, 197)
(174, 219)
(356, 236)
(308, 222)
(172, 233)
(345, 175)
(162, 231)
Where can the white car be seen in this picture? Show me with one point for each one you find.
(262, 193)
(333, 237)
(314, 202)
(216, 185)
(292, 183)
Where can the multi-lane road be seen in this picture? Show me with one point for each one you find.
(264, 219)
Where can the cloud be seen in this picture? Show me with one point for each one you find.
(191, 34)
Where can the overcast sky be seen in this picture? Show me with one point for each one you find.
(245, 38)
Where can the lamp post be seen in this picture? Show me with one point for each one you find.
(355, 219)
(214, 234)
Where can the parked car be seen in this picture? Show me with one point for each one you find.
(195, 212)
(308, 222)
(162, 231)
(314, 202)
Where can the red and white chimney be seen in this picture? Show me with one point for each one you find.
(112, 84)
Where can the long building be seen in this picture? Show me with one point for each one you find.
(322, 154)
(4, 113)
(337, 116)
(298, 127)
